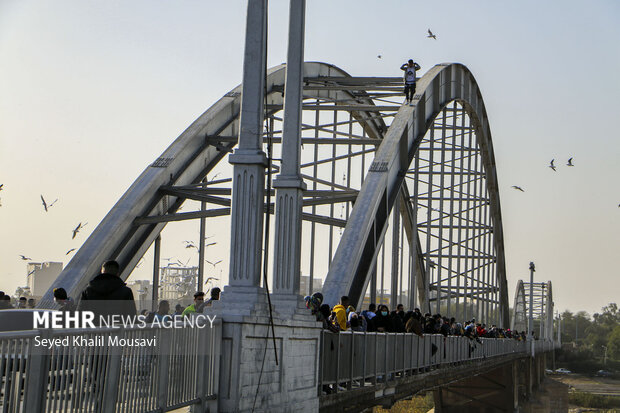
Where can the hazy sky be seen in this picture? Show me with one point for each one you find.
(91, 92)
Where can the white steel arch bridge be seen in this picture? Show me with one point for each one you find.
(402, 202)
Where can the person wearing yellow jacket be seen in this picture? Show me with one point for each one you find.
(341, 312)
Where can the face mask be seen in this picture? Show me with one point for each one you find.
(384, 313)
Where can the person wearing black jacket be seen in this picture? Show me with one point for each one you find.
(382, 321)
(107, 294)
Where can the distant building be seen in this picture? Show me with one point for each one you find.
(178, 284)
(41, 276)
(142, 293)
(304, 285)
(366, 301)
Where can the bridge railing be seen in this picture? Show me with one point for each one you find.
(182, 370)
(351, 359)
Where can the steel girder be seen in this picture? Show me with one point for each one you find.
(143, 211)
(353, 264)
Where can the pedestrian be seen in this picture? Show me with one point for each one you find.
(215, 296)
(178, 310)
(65, 303)
(5, 301)
(341, 312)
(162, 311)
(197, 305)
(107, 294)
(410, 68)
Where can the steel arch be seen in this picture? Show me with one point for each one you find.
(152, 201)
(541, 301)
(135, 221)
(519, 310)
(351, 267)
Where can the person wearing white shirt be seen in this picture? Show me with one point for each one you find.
(410, 68)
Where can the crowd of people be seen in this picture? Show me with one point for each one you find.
(106, 287)
(22, 302)
(343, 317)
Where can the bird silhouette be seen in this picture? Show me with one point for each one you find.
(431, 35)
(70, 251)
(551, 165)
(76, 230)
(44, 203)
(214, 263)
(518, 188)
(24, 257)
(570, 162)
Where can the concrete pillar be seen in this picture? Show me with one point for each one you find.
(529, 379)
(289, 386)
(496, 390)
(249, 162)
(289, 185)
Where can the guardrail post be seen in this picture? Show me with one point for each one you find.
(38, 373)
(364, 358)
(337, 364)
(202, 366)
(163, 368)
(352, 360)
(215, 358)
(112, 378)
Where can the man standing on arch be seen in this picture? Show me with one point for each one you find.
(409, 69)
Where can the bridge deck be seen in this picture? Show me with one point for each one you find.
(370, 369)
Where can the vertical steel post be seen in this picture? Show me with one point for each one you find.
(201, 249)
(530, 323)
(156, 259)
(373, 284)
(315, 174)
(395, 242)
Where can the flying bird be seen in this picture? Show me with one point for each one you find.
(431, 35)
(70, 251)
(45, 205)
(76, 230)
(378, 56)
(570, 162)
(214, 263)
(551, 165)
(24, 257)
(518, 188)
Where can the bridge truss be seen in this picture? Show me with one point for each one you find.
(541, 301)
(401, 202)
